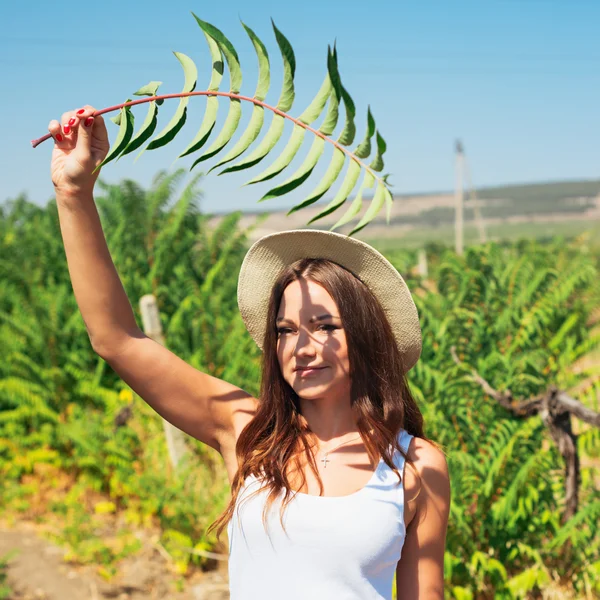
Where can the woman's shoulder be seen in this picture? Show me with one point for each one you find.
(424, 453)
(431, 465)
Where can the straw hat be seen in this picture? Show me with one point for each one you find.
(270, 254)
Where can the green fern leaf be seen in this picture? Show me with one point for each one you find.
(301, 174)
(264, 67)
(315, 108)
(333, 170)
(331, 118)
(314, 154)
(250, 134)
(312, 112)
(231, 122)
(364, 148)
(235, 108)
(288, 93)
(349, 131)
(178, 119)
(285, 157)
(374, 208)
(231, 56)
(125, 120)
(151, 120)
(286, 100)
(356, 206)
(266, 145)
(212, 102)
(389, 199)
(258, 113)
(330, 94)
(377, 162)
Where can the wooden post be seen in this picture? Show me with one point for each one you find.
(459, 198)
(153, 329)
(422, 264)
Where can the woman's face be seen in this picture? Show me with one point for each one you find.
(310, 333)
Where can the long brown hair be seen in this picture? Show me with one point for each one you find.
(380, 396)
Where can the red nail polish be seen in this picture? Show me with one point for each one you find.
(59, 137)
(81, 111)
(67, 129)
(71, 121)
(88, 121)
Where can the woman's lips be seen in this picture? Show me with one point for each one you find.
(306, 372)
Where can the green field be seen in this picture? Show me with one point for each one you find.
(418, 238)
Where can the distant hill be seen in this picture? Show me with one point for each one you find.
(520, 202)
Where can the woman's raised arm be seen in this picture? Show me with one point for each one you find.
(203, 406)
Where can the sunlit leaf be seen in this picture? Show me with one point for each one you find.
(286, 99)
(377, 162)
(212, 102)
(388, 205)
(331, 118)
(256, 121)
(373, 210)
(349, 131)
(149, 124)
(301, 174)
(266, 145)
(229, 127)
(235, 109)
(250, 134)
(364, 148)
(285, 158)
(264, 68)
(231, 56)
(345, 190)
(125, 120)
(315, 108)
(356, 206)
(178, 119)
(206, 127)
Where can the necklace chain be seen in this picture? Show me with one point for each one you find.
(326, 453)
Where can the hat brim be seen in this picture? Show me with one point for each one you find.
(267, 257)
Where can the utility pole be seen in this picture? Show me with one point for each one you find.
(153, 329)
(473, 196)
(459, 199)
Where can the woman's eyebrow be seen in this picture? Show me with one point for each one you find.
(312, 320)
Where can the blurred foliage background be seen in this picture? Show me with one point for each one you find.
(525, 314)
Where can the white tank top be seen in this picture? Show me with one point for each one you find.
(342, 547)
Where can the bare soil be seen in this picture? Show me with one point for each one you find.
(38, 572)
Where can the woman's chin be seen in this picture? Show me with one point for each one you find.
(312, 390)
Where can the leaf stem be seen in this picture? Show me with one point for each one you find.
(35, 143)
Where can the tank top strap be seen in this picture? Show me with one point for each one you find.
(404, 440)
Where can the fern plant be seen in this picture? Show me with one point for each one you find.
(332, 94)
(520, 317)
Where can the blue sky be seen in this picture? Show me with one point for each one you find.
(517, 80)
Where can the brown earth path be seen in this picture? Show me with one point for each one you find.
(38, 572)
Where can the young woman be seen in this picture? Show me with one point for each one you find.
(321, 506)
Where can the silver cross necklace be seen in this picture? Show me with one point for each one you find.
(325, 460)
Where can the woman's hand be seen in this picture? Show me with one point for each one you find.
(80, 145)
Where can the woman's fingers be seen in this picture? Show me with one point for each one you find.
(85, 134)
(81, 134)
(60, 139)
(92, 136)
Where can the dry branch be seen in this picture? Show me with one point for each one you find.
(555, 407)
